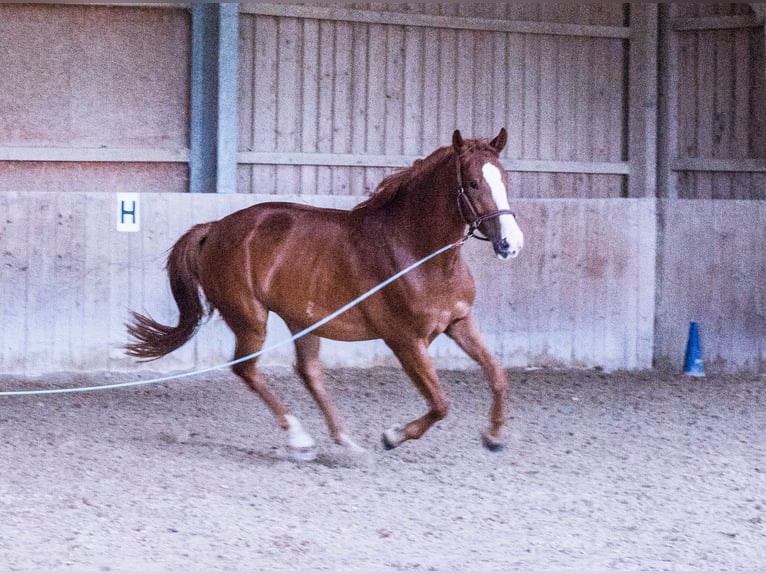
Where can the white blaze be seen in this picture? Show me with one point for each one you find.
(509, 229)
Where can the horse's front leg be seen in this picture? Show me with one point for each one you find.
(418, 366)
(466, 334)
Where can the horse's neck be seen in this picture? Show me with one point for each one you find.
(427, 215)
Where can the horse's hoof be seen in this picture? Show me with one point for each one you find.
(393, 437)
(300, 445)
(491, 443)
(302, 453)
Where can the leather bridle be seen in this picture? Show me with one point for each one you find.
(464, 200)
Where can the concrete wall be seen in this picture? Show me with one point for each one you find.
(712, 269)
(581, 294)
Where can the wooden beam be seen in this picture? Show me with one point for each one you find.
(702, 164)
(667, 137)
(343, 14)
(760, 10)
(97, 155)
(716, 23)
(560, 166)
(398, 161)
(642, 100)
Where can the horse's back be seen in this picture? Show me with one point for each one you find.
(296, 260)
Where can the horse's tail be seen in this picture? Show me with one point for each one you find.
(153, 340)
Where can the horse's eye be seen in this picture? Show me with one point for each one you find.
(474, 184)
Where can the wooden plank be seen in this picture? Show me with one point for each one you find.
(246, 104)
(743, 86)
(413, 91)
(723, 93)
(394, 90)
(602, 126)
(339, 13)
(431, 87)
(376, 90)
(643, 101)
(245, 80)
(547, 104)
(288, 136)
(372, 160)
(515, 95)
(465, 88)
(361, 70)
(700, 164)
(583, 111)
(705, 109)
(499, 92)
(341, 114)
(265, 100)
(716, 23)
(324, 181)
(447, 103)
(547, 107)
(669, 115)
(567, 81)
(288, 84)
(96, 155)
(531, 109)
(310, 68)
(484, 72)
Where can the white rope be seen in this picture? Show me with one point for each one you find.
(292, 339)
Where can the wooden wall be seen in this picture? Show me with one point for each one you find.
(715, 105)
(93, 98)
(332, 98)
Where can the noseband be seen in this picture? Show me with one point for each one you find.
(474, 219)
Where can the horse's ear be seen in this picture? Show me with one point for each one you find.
(457, 141)
(498, 144)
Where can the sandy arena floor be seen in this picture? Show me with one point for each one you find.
(602, 471)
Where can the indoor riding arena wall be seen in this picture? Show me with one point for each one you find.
(638, 175)
(712, 270)
(581, 293)
(600, 283)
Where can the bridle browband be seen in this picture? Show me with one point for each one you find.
(475, 219)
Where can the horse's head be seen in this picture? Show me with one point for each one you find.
(483, 193)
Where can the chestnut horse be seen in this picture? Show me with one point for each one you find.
(304, 262)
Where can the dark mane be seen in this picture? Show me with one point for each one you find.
(389, 187)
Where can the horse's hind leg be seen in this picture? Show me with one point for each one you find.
(465, 333)
(309, 369)
(250, 340)
(418, 366)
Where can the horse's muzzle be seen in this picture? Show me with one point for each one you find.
(503, 249)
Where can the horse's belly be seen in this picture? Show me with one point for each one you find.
(349, 326)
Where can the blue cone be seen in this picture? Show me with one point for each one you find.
(693, 365)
